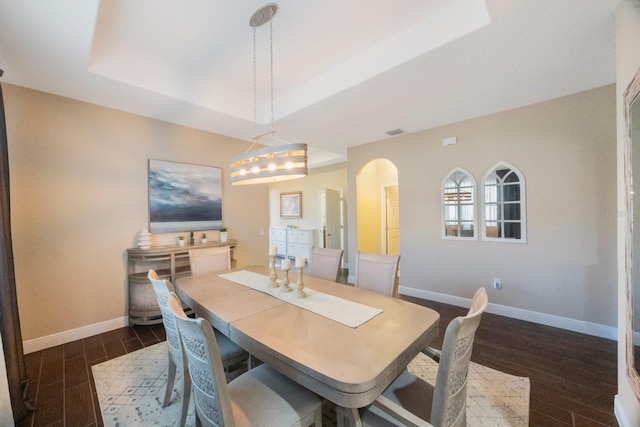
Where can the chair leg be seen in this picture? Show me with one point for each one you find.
(171, 377)
(186, 394)
(347, 417)
(314, 419)
(318, 420)
(341, 419)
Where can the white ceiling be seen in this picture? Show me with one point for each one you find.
(345, 72)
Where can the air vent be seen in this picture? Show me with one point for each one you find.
(395, 132)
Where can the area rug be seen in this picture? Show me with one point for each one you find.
(131, 387)
(493, 397)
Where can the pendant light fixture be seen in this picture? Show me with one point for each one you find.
(272, 163)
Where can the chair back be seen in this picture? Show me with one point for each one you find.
(162, 288)
(450, 394)
(209, 385)
(207, 260)
(325, 263)
(377, 272)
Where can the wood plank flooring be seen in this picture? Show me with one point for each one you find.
(60, 380)
(573, 376)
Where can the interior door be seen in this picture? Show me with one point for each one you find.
(392, 209)
(333, 211)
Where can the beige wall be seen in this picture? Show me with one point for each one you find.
(319, 179)
(627, 63)
(566, 150)
(79, 196)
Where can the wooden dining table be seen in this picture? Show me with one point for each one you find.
(349, 366)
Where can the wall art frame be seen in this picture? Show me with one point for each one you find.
(291, 205)
(184, 197)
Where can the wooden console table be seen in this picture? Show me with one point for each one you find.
(170, 262)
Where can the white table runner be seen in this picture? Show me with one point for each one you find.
(347, 312)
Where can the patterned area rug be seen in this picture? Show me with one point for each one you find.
(131, 387)
(493, 397)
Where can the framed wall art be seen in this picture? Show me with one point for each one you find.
(184, 197)
(291, 205)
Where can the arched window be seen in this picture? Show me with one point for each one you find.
(459, 206)
(504, 205)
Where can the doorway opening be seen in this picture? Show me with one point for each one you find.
(331, 215)
(377, 206)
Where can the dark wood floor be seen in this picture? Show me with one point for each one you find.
(573, 376)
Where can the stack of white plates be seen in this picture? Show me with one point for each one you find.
(144, 239)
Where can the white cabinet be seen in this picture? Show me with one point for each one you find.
(299, 243)
(278, 237)
(292, 242)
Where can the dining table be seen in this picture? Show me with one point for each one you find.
(322, 342)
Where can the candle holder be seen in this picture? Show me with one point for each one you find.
(300, 293)
(285, 281)
(274, 275)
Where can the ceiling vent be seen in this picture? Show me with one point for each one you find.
(394, 132)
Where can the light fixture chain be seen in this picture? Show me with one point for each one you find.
(255, 89)
(271, 57)
(271, 163)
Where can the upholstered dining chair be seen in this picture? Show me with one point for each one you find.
(411, 401)
(478, 300)
(325, 263)
(162, 289)
(231, 353)
(207, 260)
(377, 272)
(259, 397)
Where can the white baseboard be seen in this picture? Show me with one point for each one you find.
(60, 338)
(580, 326)
(618, 411)
(588, 328)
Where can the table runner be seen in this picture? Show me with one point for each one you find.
(347, 312)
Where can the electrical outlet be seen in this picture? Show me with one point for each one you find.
(497, 283)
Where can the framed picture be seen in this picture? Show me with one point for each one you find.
(184, 197)
(291, 205)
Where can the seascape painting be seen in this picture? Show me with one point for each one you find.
(184, 197)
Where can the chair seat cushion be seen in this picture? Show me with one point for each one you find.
(228, 349)
(409, 391)
(264, 397)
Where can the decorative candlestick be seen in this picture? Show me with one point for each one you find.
(286, 266)
(300, 264)
(273, 252)
(273, 276)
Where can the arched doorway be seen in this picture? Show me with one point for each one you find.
(377, 207)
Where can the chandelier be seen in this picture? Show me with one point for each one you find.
(272, 163)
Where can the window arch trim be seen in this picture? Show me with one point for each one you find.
(474, 209)
(522, 205)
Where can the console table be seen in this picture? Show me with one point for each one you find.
(170, 262)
